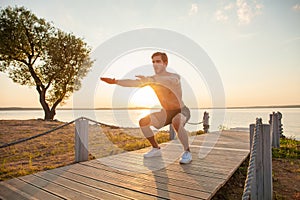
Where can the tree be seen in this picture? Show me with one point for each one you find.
(34, 53)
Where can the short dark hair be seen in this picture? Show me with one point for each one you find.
(163, 56)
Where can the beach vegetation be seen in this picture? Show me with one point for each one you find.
(289, 148)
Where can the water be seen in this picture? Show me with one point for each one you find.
(229, 118)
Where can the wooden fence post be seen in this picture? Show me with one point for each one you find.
(280, 129)
(253, 185)
(275, 134)
(205, 122)
(267, 162)
(263, 185)
(81, 140)
(252, 129)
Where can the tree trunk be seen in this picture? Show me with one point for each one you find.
(49, 114)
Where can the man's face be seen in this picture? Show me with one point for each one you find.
(158, 64)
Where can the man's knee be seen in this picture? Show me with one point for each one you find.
(145, 121)
(178, 121)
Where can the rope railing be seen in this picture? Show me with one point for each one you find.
(36, 136)
(252, 163)
(258, 184)
(47, 132)
(59, 146)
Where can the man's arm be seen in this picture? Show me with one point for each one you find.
(141, 82)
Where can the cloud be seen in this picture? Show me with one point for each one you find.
(296, 7)
(193, 10)
(220, 16)
(244, 10)
(247, 10)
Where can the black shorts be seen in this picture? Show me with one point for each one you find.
(165, 116)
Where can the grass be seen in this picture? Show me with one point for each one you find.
(289, 148)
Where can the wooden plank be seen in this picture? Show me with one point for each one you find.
(160, 162)
(122, 163)
(130, 159)
(204, 184)
(138, 184)
(82, 187)
(57, 189)
(27, 190)
(121, 191)
(176, 174)
(9, 192)
(136, 162)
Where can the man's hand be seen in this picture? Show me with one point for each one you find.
(109, 80)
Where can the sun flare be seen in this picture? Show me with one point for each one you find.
(144, 97)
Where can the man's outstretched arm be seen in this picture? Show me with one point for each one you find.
(141, 82)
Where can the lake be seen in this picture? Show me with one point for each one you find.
(228, 118)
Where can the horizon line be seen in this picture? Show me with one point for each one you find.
(138, 108)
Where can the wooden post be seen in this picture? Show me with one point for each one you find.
(267, 162)
(275, 130)
(263, 187)
(253, 185)
(252, 129)
(205, 122)
(81, 140)
(280, 129)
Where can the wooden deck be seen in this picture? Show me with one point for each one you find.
(130, 176)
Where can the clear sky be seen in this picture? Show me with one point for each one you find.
(254, 44)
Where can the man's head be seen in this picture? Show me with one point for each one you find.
(160, 62)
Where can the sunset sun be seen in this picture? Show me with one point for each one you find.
(143, 97)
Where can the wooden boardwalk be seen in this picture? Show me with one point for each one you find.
(129, 176)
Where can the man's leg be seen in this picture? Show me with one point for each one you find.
(178, 123)
(153, 119)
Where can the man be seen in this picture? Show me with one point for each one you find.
(167, 87)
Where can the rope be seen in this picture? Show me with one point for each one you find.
(194, 123)
(252, 163)
(41, 134)
(59, 127)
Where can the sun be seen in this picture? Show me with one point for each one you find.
(144, 97)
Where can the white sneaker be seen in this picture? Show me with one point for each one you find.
(186, 158)
(154, 152)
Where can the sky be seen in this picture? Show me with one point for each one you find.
(253, 44)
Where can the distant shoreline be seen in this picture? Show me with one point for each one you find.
(146, 108)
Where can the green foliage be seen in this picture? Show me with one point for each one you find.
(68, 63)
(34, 53)
(289, 148)
(23, 42)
